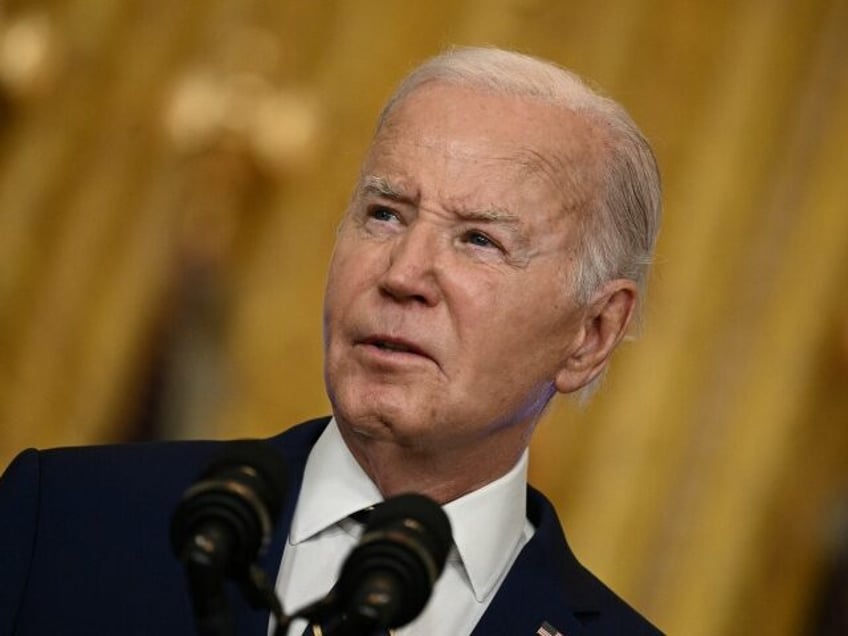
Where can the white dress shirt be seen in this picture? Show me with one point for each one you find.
(489, 529)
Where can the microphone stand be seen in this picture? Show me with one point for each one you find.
(212, 615)
(211, 610)
(325, 616)
(205, 572)
(260, 594)
(327, 619)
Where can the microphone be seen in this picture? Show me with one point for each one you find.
(226, 518)
(222, 524)
(388, 577)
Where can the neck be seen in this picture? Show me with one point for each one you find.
(443, 475)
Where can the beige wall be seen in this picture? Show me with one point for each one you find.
(171, 174)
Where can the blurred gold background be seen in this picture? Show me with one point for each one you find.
(171, 174)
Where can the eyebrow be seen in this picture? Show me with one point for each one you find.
(381, 186)
(499, 216)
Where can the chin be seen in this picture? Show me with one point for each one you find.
(381, 420)
(361, 413)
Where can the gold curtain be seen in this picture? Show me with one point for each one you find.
(171, 174)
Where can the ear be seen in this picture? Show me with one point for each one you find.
(604, 324)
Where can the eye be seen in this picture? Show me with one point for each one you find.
(478, 239)
(380, 213)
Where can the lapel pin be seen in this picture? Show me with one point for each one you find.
(548, 630)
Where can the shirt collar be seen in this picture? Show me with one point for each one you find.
(487, 523)
(334, 486)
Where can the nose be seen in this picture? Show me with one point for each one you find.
(412, 273)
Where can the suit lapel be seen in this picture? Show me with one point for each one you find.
(294, 446)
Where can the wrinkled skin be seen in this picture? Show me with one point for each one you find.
(450, 319)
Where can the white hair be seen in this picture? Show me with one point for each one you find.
(618, 236)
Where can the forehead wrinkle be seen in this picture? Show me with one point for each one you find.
(573, 164)
(559, 173)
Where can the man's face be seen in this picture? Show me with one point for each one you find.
(449, 310)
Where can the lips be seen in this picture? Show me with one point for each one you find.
(397, 345)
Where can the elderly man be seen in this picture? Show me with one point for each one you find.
(492, 256)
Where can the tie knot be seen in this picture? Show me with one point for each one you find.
(362, 516)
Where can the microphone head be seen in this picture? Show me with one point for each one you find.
(228, 513)
(388, 578)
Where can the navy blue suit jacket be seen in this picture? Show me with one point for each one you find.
(84, 549)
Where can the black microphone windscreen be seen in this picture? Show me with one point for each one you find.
(417, 509)
(387, 579)
(226, 517)
(244, 456)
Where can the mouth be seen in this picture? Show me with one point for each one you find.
(394, 345)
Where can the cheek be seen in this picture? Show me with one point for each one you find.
(346, 275)
(514, 328)
(356, 261)
(337, 300)
(496, 309)
(350, 292)
(489, 320)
